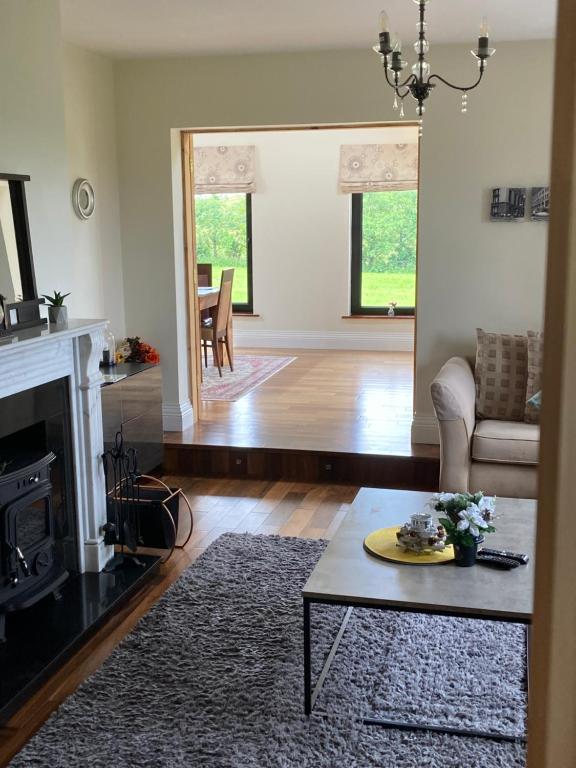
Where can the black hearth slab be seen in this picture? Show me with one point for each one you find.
(41, 638)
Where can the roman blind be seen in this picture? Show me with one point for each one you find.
(378, 167)
(224, 169)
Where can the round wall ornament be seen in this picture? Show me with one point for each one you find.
(83, 198)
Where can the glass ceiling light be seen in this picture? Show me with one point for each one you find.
(420, 83)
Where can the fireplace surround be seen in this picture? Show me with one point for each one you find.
(50, 400)
(62, 365)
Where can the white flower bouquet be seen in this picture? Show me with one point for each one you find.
(467, 516)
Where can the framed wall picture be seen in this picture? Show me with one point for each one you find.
(540, 203)
(508, 203)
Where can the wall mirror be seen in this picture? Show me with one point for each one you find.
(17, 279)
(19, 303)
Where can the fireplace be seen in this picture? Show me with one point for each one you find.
(30, 567)
(51, 433)
(38, 531)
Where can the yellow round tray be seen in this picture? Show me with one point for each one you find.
(383, 543)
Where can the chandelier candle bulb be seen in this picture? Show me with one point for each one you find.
(385, 47)
(384, 25)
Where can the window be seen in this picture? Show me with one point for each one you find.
(384, 228)
(224, 239)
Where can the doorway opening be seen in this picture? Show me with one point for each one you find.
(319, 224)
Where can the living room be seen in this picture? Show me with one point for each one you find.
(106, 93)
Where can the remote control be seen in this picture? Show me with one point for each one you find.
(522, 559)
(497, 561)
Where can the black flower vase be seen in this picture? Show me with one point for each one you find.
(465, 554)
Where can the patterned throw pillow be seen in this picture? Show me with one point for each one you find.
(534, 385)
(501, 376)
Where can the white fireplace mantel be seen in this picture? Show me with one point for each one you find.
(36, 356)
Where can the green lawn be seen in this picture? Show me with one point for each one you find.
(380, 288)
(240, 284)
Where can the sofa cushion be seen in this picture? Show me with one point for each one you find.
(506, 442)
(535, 349)
(501, 374)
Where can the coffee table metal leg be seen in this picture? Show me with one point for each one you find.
(307, 660)
(401, 725)
(528, 640)
(310, 695)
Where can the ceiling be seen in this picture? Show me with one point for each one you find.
(132, 28)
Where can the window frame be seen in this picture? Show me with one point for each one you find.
(356, 308)
(247, 308)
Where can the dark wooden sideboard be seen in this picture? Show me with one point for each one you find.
(132, 403)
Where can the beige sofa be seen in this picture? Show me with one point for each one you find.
(497, 457)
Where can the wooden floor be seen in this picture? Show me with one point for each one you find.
(290, 509)
(336, 401)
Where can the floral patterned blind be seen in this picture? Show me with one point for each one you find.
(224, 169)
(378, 167)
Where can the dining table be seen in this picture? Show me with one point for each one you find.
(208, 296)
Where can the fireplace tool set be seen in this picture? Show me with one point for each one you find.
(142, 511)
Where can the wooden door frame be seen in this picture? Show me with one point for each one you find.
(187, 145)
(194, 361)
(552, 706)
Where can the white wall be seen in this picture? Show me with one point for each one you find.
(470, 271)
(91, 143)
(301, 242)
(32, 133)
(57, 122)
(474, 272)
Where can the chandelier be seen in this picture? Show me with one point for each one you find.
(420, 83)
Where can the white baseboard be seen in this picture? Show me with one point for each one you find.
(177, 417)
(388, 340)
(425, 430)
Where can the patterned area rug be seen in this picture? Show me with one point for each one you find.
(212, 678)
(249, 372)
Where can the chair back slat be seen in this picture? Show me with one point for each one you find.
(204, 275)
(224, 300)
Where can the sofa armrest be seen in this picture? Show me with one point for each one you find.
(454, 396)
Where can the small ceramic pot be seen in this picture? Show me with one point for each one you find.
(58, 315)
(465, 556)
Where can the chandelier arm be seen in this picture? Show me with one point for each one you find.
(460, 87)
(392, 84)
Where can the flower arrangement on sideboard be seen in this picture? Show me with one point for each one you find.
(134, 350)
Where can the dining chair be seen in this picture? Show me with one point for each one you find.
(215, 330)
(204, 272)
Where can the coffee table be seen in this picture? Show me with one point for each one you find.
(346, 575)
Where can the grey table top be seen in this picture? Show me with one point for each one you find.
(346, 572)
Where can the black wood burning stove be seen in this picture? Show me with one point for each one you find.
(28, 568)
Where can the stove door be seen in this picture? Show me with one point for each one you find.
(28, 535)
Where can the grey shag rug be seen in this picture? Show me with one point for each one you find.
(212, 677)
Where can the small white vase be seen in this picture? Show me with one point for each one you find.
(58, 315)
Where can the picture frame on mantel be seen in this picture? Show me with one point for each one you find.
(23, 314)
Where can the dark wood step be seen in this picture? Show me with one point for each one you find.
(386, 471)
